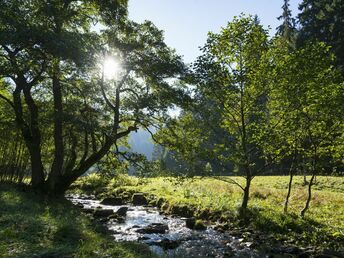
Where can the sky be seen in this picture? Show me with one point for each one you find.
(187, 22)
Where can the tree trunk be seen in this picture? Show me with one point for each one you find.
(35, 142)
(37, 171)
(246, 196)
(289, 192)
(291, 176)
(309, 196)
(57, 166)
(30, 132)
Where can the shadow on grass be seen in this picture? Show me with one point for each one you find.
(303, 231)
(35, 226)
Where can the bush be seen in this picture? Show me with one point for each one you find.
(91, 183)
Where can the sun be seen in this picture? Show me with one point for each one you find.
(111, 68)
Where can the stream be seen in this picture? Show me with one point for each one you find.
(167, 235)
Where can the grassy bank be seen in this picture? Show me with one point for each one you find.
(214, 199)
(34, 226)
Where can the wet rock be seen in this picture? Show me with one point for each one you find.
(112, 201)
(104, 220)
(190, 223)
(249, 244)
(84, 197)
(103, 213)
(88, 210)
(154, 228)
(143, 238)
(166, 243)
(120, 220)
(182, 211)
(139, 199)
(117, 218)
(122, 211)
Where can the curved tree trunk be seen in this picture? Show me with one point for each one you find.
(309, 196)
(286, 202)
(291, 176)
(31, 132)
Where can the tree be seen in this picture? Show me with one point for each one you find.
(288, 32)
(183, 139)
(305, 107)
(69, 115)
(288, 27)
(231, 59)
(323, 20)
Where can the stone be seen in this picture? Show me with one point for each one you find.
(154, 228)
(117, 218)
(190, 223)
(103, 213)
(204, 214)
(122, 211)
(249, 244)
(139, 199)
(143, 238)
(114, 201)
(182, 211)
(88, 210)
(166, 243)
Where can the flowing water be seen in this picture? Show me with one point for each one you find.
(177, 241)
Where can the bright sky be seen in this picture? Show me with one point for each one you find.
(187, 22)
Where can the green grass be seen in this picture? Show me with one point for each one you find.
(35, 226)
(323, 225)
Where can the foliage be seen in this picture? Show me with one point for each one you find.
(305, 103)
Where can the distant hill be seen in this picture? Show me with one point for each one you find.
(141, 142)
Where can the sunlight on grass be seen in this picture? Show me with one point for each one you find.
(323, 225)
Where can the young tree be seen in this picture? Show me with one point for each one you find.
(305, 107)
(231, 59)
